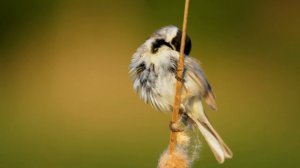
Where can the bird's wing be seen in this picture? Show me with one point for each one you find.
(194, 71)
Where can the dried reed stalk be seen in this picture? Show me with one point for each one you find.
(175, 113)
(176, 155)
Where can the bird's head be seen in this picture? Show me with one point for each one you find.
(168, 37)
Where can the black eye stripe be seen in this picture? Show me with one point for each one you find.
(158, 43)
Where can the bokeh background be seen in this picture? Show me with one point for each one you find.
(66, 99)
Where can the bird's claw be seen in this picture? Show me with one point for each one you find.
(174, 127)
(179, 79)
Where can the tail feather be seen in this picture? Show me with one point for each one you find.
(217, 145)
(220, 150)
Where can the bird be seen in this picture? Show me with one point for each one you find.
(153, 71)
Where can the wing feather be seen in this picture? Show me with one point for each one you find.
(194, 71)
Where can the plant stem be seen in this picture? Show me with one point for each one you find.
(175, 113)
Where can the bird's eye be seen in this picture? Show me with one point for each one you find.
(155, 50)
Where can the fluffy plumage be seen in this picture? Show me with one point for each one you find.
(153, 71)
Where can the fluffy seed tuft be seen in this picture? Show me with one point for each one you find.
(179, 159)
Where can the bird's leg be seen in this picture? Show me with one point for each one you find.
(181, 124)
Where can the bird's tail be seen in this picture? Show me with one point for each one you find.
(215, 142)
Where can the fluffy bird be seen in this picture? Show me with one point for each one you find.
(153, 72)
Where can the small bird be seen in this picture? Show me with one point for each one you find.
(153, 70)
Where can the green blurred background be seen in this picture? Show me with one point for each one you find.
(66, 99)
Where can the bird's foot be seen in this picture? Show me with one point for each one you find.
(179, 79)
(176, 127)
